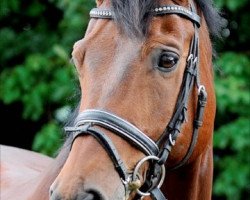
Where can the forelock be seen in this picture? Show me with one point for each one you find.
(133, 16)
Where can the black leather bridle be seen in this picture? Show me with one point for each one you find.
(89, 121)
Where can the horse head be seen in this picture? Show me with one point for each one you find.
(145, 74)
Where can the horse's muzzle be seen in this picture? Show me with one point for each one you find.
(80, 195)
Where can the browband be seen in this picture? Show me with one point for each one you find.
(162, 10)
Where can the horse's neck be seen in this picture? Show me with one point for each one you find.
(47, 178)
(192, 181)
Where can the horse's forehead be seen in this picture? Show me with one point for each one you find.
(101, 2)
(104, 40)
(178, 2)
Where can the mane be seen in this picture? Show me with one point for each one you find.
(133, 16)
(212, 16)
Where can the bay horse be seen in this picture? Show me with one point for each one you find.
(144, 126)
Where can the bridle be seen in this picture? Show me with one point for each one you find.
(89, 121)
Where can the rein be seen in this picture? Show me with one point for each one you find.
(157, 153)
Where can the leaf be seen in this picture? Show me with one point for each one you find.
(49, 139)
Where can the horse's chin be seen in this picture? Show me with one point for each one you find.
(78, 188)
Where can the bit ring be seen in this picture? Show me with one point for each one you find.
(136, 170)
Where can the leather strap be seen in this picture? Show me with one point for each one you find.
(105, 142)
(173, 129)
(161, 10)
(120, 127)
(157, 194)
(179, 10)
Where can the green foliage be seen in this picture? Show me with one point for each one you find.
(49, 139)
(232, 85)
(232, 5)
(234, 172)
(37, 79)
(232, 134)
(36, 43)
(7, 6)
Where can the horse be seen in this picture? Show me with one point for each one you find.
(144, 125)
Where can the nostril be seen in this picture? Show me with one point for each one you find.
(52, 188)
(92, 195)
(53, 195)
(50, 192)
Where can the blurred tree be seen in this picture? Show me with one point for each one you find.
(232, 133)
(36, 40)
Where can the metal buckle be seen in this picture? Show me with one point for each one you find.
(136, 171)
(201, 89)
(190, 57)
(172, 142)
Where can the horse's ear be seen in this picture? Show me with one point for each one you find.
(99, 2)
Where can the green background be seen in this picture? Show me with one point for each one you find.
(38, 80)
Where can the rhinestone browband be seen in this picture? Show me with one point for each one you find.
(168, 9)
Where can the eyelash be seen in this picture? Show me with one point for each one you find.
(167, 61)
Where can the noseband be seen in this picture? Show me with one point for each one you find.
(87, 122)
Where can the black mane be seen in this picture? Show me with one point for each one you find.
(212, 17)
(133, 15)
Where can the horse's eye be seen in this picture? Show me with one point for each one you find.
(167, 61)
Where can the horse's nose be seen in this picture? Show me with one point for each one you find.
(90, 195)
(83, 195)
